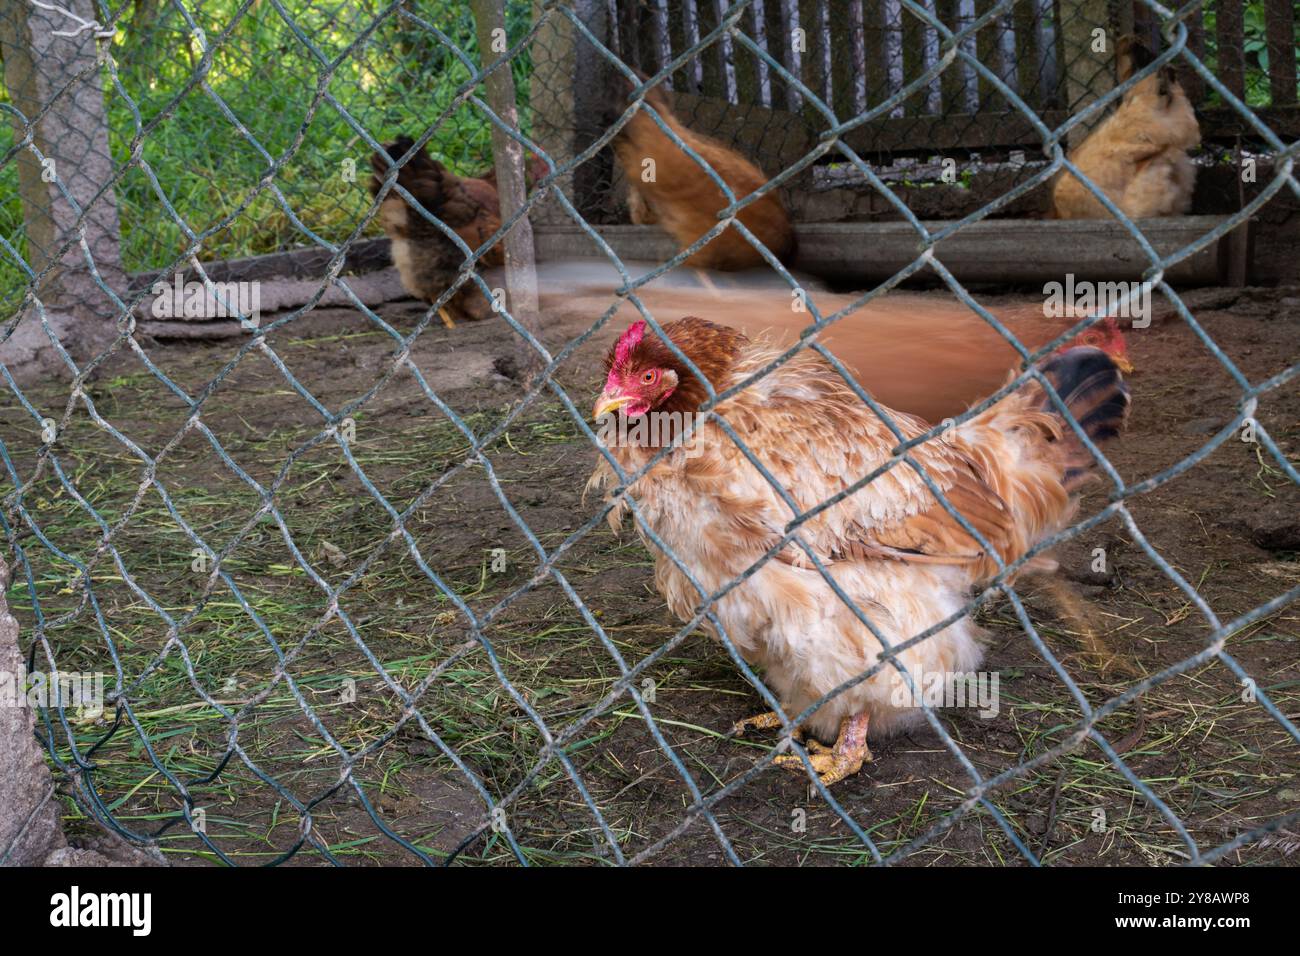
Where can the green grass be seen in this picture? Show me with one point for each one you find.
(401, 81)
(1216, 761)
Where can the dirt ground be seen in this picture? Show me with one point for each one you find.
(1218, 761)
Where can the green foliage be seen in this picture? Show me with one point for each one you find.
(1254, 29)
(401, 79)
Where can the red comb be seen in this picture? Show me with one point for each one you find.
(628, 342)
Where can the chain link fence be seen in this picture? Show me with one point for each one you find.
(342, 616)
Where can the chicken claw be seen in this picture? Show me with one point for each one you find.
(447, 320)
(842, 760)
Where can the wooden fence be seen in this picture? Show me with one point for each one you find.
(857, 54)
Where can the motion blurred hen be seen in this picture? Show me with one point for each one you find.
(1011, 471)
(1138, 155)
(668, 187)
(919, 354)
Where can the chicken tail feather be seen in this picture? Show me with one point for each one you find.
(1092, 388)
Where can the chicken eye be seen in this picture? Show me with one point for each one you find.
(650, 377)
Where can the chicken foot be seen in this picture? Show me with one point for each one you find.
(841, 760)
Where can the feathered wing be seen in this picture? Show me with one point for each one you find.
(1009, 471)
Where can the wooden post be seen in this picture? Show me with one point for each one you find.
(1230, 30)
(60, 74)
(1280, 26)
(508, 156)
(567, 94)
(1191, 80)
(1088, 74)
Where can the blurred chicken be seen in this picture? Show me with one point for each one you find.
(1012, 472)
(427, 260)
(919, 354)
(1138, 155)
(677, 194)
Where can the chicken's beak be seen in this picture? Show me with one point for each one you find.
(1123, 364)
(609, 403)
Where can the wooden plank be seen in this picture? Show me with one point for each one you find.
(1145, 25)
(845, 71)
(725, 51)
(690, 20)
(1009, 250)
(858, 51)
(1224, 122)
(714, 82)
(577, 83)
(810, 22)
(1002, 250)
(631, 243)
(934, 133)
(1236, 250)
(990, 130)
(986, 48)
(364, 255)
(791, 58)
(950, 81)
(1048, 58)
(875, 80)
(1190, 80)
(1087, 75)
(969, 101)
(1280, 26)
(932, 97)
(758, 31)
(778, 42)
(1031, 90)
(746, 67)
(1230, 31)
(911, 46)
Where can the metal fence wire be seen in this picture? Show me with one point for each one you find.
(134, 584)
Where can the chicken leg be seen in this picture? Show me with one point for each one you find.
(842, 760)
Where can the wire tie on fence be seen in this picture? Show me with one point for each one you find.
(101, 32)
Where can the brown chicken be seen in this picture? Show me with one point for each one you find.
(427, 260)
(668, 187)
(1012, 471)
(919, 354)
(1138, 155)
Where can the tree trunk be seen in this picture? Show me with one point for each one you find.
(59, 80)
